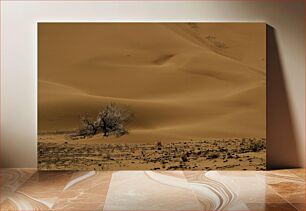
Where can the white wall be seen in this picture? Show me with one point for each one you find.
(19, 69)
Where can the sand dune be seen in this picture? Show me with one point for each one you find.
(181, 80)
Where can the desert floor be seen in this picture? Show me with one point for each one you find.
(225, 154)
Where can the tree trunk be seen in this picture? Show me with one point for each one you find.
(94, 131)
(104, 128)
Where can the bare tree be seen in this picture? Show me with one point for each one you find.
(110, 121)
(88, 126)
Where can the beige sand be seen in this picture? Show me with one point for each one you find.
(182, 81)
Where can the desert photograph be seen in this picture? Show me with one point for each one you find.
(151, 96)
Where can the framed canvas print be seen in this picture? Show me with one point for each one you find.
(151, 96)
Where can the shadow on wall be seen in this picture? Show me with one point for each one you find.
(281, 140)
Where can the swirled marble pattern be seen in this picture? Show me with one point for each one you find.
(85, 191)
(28, 189)
(12, 179)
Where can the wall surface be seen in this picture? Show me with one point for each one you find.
(285, 68)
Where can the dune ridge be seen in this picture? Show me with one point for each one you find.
(177, 83)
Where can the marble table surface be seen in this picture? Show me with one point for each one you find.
(29, 189)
